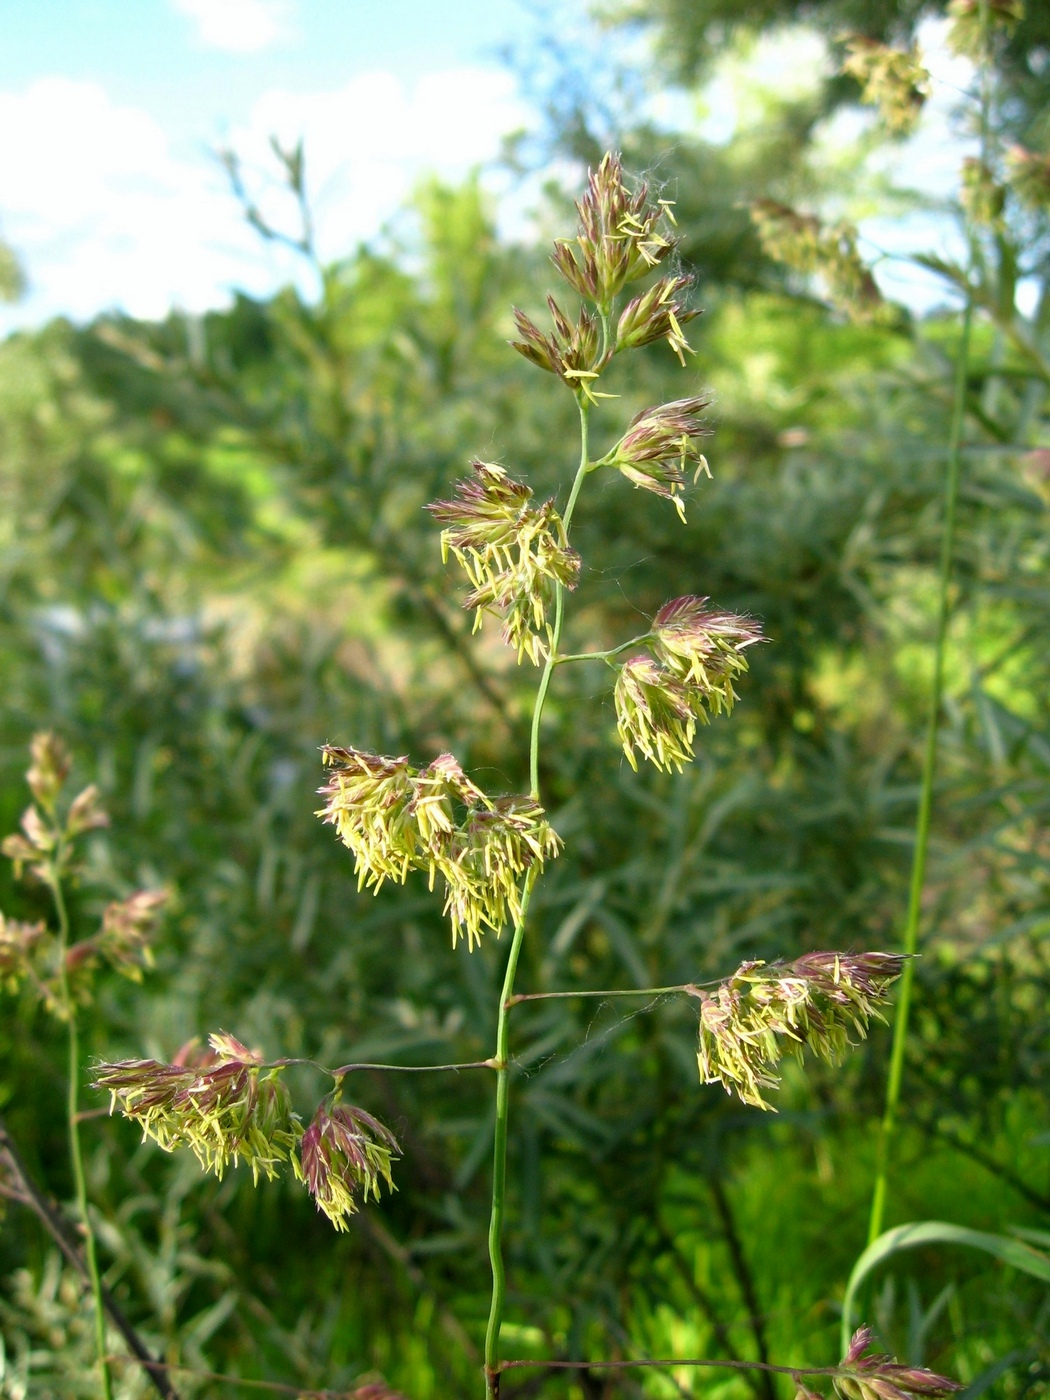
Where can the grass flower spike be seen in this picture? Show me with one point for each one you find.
(658, 314)
(654, 714)
(397, 819)
(704, 647)
(226, 1107)
(512, 552)
(622, 235)
(803, 243)
(659, 447)
(763, 1012)
(894, 80)
(345, 1152)
(878, 1377)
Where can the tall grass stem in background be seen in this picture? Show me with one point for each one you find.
(910, 938)
(73, 1113)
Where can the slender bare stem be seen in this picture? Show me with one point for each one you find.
(401, 1069)
(690, 987)
(603, 655)
(76, 1156)
(501, 1057)
(910, 936)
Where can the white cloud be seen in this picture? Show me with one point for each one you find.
(104, 214)
(237, 26)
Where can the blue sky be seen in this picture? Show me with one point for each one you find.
(109, 108)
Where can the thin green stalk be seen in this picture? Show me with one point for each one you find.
(501, 1057)
(603, 655)
(76, 1157)
(922, 827)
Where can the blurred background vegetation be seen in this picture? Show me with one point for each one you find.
(213, 559)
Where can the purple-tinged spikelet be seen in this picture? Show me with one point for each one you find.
(659, 701)
(659, 447)
(879, 1377)
(512, 552)
(345, 1152)
(766, 1011)
(226, 1106)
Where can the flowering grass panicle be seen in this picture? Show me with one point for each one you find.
(227, 1106)
(763, 1012)
(367, 800)
(345, 1152)
(654, 714)
(658, 313)
(659, 446)
(804, 244)
(705, 646)
(893, 80)
(1029, 175)
(878, 1377)
(622, 235)
(436, 820)
(659, 701)
(573, 350)
(512, 552)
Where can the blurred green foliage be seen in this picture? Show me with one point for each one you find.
(213, 559)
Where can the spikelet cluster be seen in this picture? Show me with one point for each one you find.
(512, 552)
(660, 446)
(878, 1377)
(226, 1106)
(1029, 176)
(981, 194)
(803, 243)
(894, 80)
(345, 1152)
(573, 350)
(45, 831)
(622, 236)
(660, 699)
(763, 1012)
(396, 818)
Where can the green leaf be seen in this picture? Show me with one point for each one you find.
(1010, 1251)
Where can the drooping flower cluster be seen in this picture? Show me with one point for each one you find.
(894, 80)
(981, 194)
(766, 1011)
(659, 701)
(227, 1105)
(513, 553)
(803, 243)
(344, 1151)
(659, 446)
(224, 1104)
(622, 237)
(878, 1377)
(1029, 176)
(396, 818)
